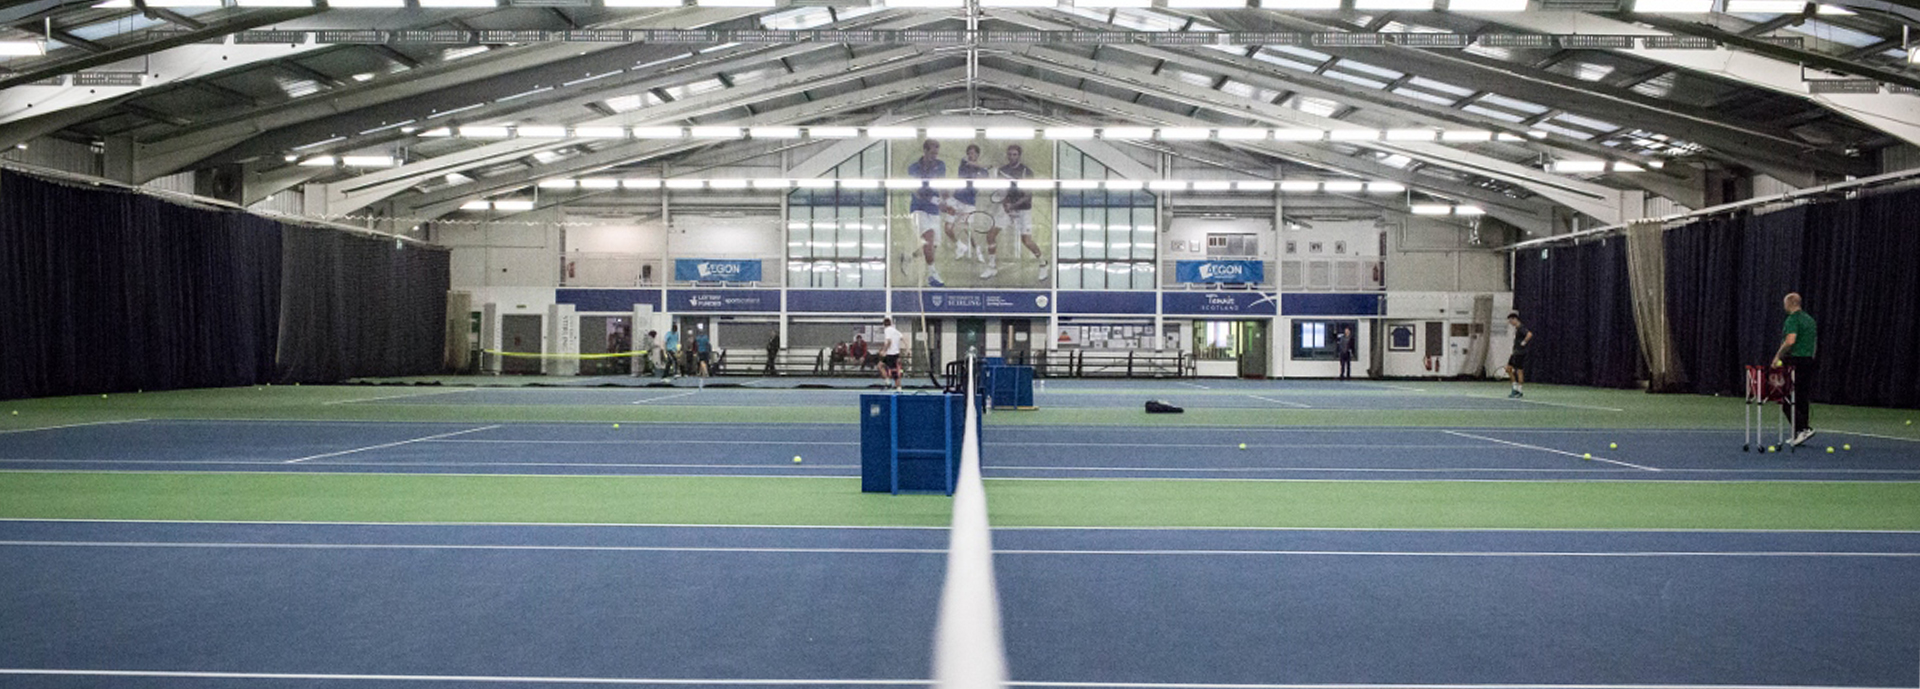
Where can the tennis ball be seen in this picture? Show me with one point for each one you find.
(796, 459)
(1243, 446)
(1829, 449)
(1613, 446)
(616, 425)
(103, 397)
(1909, 422)
(1771, 448)
(1587, 455)
(1843, 447)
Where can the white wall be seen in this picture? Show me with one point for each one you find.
(524, 252)
(1192, 233)
(1429, 256)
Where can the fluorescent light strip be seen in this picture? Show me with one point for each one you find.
(1766, 6)
(1166, 185)
(1121, 133)
(1206, 4)
(1244, 134)
(22, 48)
(540, 132)
(1068, 133)
(1300, 4)
(640, 183)
(1184, 133)
(1579, 166)
(1109, 4)
(952, 132)
(832, 132)
(1431, 209)
(953, 184)
(1673, 6)
(448, 4)
(600, 132)
(658, 132)
(735, 3)
(642, 3)
(1299, 186)
(718, 132)
(1354, 135)
(1416, 5)
(1262, 186)
(1385, 187)
(1411, 134)
(318, 161)
(1344, 187)
(774, 132)
(484, 132)
(1299, 134)
(513, 204)
(1486, 5)
(367, 161)
(366, 4)
(1019, 3)
(1009, 132)
(892, 132)
(599, 183)
(1465, 136)
(273, 3)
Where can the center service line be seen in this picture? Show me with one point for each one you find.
(403, 442)
(1285, 402)
(664, 397)
(1547, 449)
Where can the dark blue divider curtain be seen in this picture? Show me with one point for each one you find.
(1703, 274)
(1578, 303)
(1856, 265)
(108, 291)
(357, 306)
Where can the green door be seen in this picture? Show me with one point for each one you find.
(971, 337)
(1253, 349)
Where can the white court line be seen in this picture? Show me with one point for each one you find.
(72, 425)
(1201, 552)
(1550, 404)
(396, 397)
(630, 681)
(386, 445)
(651, 441)
(1192, 385)
(1362, 470)
(664, 397)
(1285, 402)
(1400, 387)
(881, 527)
(470, 679)
(1869, 435)
(1549, 449)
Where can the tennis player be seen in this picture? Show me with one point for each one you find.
(925, 206)
(964, 201)
(1017, 209)
(1797, 350)
(890, 356)
(1517, 361)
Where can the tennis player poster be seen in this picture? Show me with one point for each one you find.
(954, 232)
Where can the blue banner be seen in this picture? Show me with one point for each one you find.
(971, 301)
(1250, 272)
(1332, 304)
(606, 300)
(836, 301)
(715, 270)
(1217, 303)
(1140, 302)
(723, 300)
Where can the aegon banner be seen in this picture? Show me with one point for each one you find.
(713, 270)
(1253, 272)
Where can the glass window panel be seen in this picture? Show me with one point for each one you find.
(1120, 242)
(1143, 275)
(1069, 276)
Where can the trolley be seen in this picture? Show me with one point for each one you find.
(1767, 385)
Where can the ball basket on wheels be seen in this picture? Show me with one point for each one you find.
(1767, 385)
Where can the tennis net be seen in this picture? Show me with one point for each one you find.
(968, 650)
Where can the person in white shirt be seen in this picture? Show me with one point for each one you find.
(890, 355)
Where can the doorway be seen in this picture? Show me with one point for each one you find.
(520, 335)
(971, 337)
(1253, 349)
(1016, 341)
(606, 335)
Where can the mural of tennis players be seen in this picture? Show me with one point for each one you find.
(964, 206)
(1016, 208)
(925, 207)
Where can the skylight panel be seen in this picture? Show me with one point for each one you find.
(1513, 103)
(1439, 86)
(1314, 106)
(1313, 56)
(1364, 68)
(296, 87)
(1564, 131)
(793, 20)
(1272, 58)
(116, 27)
(1355, 79)
(1838, 34)
(1428, 97)
(1588, 71)
(452, 54)
(1501, 115)
(1586, 122)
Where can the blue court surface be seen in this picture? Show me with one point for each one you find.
(1008, 451)
(354, 605)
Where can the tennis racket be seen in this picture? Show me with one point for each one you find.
(978, 225)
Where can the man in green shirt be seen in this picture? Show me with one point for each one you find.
(1797, 349)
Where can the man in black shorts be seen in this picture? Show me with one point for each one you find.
(1517, 361)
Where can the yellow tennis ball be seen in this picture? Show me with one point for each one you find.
(16, 412)
(1771, 448)
(1613, 446)
(616, 425)
(1829, 449)
(1588, 455)
(103, 397)
(796, 459)
(1243, 446)
(1843, 447)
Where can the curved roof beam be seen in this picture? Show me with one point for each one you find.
(1599, 201)
(1890, 113)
